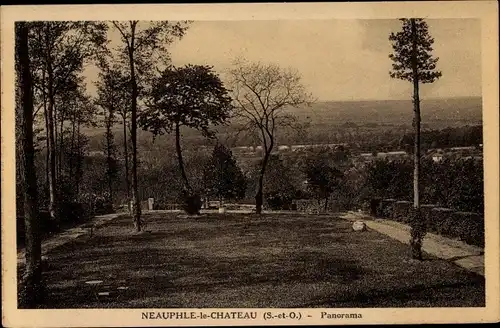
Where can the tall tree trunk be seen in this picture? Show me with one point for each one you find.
(47, 154)
(61, 143)
(179, 157)
(79, 163)
(32, 291)
(259, 196)
(50, 135)
(125, 149)
(109, 145)
(417, 228)
(70, 159)
(46, 119)
(135, 198)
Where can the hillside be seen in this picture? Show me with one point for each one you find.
(332, 121)
(448, 111)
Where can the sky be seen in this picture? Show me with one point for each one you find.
(338, 59)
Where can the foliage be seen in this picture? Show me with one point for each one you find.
(191, 202)
(111, 97)
(191, 96)
(222, 176)
(457, 184)
(413, 61)
(322, 179)
(136, 52)
(412, 57)
(148, 42)
(446, 138)
(279, 188)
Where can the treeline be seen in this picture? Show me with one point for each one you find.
(465, 136)
(453, 183)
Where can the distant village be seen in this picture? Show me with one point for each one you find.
(437, 154)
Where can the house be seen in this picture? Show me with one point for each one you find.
(283, 148)
(437, 157)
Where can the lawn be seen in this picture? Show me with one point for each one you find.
(239, 260)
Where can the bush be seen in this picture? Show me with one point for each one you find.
(47, 226)
(426, 214)
(93, 204)
(452, 183)
(279, 201)
(441, 221)
(469, 227)
(385, 208)
(374, 205)
(402, 211)
(73, 212)
(191, 203)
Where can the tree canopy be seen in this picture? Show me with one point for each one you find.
(413, 50)
(192, 96)
(223, 177)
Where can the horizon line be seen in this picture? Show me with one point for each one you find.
(397, 99)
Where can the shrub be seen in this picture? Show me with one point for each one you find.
(93, 204)
(441, 220)
(191, 203)
(426, 214)
(386, 208)
(402, 211)
(71, 211)
(453, 183)
(279, 200)
(374, 205)
(469, 227)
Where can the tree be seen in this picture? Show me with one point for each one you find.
(280, 186)
(59, 50)
(192, 96)
(413, 62)
(223, 177)
(110, 97)
(137, 51)
(262, 93)
(322, 179)
(24, 101)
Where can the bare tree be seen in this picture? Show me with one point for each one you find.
(262, 95)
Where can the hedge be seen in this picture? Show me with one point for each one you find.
(440, 221)
(386, 207)
(401, 211)
(70, 213)
(374, 205)
(312, 206)
(467, 226)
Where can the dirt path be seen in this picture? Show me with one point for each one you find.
(467, 256)
(69, 235)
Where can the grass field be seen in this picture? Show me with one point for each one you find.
(239, 260)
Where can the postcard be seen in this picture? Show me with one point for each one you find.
(250, 164)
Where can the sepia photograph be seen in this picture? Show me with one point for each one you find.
(195, 170)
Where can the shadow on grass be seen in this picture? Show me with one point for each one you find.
(312, 262)
(150, 272)
(418, 295)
